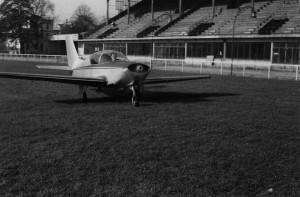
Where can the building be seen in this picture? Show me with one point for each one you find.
(43, 29)
(255, 33)
(3, 47)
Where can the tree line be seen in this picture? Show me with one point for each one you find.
(21, 20)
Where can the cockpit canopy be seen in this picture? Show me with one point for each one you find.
(106, 56)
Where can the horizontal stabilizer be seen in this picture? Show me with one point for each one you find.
(54, 67)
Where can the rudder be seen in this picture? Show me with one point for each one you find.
(72, 55)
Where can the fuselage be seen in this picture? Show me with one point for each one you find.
(117, 73)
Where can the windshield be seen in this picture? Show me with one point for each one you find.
(107, 56)
(120, 56)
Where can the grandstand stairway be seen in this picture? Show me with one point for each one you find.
(159, 22)
(239, 21)
(130, 30)
(200, 28)
(291, 25)
(272, 25)
(107, 32)
(146, 31)
(118, 20)
(181, 25)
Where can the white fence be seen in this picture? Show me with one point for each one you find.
(34, 58)
(226, 68)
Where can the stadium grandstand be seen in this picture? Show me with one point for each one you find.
(258, 32)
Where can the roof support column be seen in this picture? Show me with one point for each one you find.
(107, 11)
(180, 8)
(128, 12)
(152, 9)
(213, 9)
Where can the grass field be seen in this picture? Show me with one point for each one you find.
(225, 136)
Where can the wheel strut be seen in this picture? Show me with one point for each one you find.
(136, 92)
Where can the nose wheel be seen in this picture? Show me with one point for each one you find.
(135, 101)
(137, 89)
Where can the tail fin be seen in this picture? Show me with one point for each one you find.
(73, 58)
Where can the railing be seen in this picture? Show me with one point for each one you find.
(284, 71)
(34, 57)
(265, 21)
(208, 19)
(268, 71)
(115, 18)
(175, 20)
(156, 22)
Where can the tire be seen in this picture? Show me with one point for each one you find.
(84, 97)
(135, 102)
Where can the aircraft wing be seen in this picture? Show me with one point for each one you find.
(94, 82)
(54, 67)
(155, 80)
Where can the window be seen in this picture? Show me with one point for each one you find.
(121, 47)
(140, 49)
(286, 52)
(103, 57)
(249, 50)
(90, 48)
(204, 49)
(170, 50)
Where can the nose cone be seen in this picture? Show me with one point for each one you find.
(138, 68)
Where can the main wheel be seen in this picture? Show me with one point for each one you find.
(84, 97)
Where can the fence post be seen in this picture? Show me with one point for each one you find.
(165, 64)
(201, 67)
(150, 63)
(269, 71)
(221, 68)
(182, 69)
(297, 70)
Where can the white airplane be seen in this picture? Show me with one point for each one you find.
(104, 69)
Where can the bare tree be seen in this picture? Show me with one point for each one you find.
(43, 8)
(83, 10)
(83, 19)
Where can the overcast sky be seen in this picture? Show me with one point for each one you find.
(65, 8)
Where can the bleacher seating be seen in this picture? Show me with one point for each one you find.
(182, 26)
(272, 17)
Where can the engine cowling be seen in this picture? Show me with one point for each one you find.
(138, 68)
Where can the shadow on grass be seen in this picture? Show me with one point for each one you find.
(155, 97)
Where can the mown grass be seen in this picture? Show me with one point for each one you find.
(226, 136)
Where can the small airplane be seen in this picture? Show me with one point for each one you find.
(103, 69)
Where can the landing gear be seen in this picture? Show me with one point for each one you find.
(137, 90)
(82, 90)
(84, 97)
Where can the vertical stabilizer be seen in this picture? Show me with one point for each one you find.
(73, 58)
